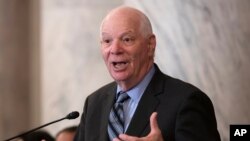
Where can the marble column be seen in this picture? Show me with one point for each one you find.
(207, 43)
(14, 67)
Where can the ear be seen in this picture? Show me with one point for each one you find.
(151, 45)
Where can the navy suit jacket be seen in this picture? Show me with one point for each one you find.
(185, 113)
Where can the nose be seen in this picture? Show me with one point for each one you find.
(116, 47)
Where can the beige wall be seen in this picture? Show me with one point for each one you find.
(14, 67)
(50, 59)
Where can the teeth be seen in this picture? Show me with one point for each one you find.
(120, 65)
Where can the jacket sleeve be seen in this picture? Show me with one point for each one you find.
(196, 120)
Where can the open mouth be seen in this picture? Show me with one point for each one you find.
(120, 65)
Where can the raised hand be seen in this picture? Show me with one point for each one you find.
(154, 135)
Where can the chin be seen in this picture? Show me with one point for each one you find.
(118, 77)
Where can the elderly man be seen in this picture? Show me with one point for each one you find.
(142, 104)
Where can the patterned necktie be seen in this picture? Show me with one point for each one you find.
(116, 117)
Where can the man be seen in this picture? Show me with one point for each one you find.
(157, 107)
(66, 134)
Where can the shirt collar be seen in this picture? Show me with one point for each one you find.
(136, 92)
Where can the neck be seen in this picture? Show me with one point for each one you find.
(129, 84)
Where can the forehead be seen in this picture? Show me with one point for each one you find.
(121, 21)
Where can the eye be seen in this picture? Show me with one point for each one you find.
(106, 42)
(128, 40)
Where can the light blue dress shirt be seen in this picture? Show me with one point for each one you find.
(135, 94)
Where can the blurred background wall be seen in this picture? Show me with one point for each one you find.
(15, 107)
(50, 59)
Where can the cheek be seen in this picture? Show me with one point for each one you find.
(141, 54)
(104, 54)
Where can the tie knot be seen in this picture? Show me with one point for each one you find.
(122, 96)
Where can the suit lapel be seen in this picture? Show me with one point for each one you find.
(141, 116)
(106, 106)
(146, 106)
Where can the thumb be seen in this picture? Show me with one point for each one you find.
(153, 122)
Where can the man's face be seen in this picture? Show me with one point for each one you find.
(125, 50)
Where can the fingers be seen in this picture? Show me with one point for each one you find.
(153, 122)
(154, 135)
(125, 137)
